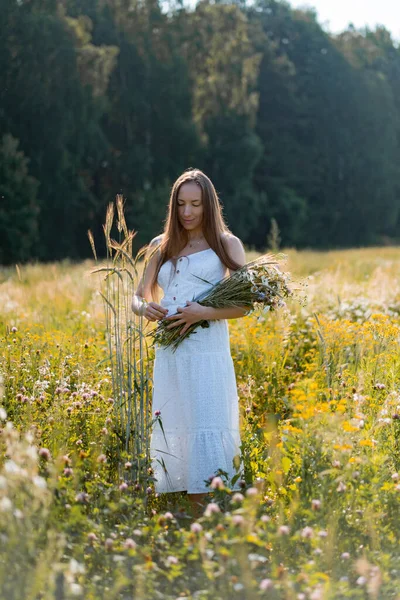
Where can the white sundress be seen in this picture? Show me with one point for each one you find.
(194, 388)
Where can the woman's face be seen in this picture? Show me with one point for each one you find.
(190, 206)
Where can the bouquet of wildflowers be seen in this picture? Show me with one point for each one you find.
(259, 284)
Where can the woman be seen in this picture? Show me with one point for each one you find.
(194, 388)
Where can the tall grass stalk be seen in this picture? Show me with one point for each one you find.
(127, 347)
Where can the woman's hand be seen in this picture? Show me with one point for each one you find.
(190, 314)
(154, 312)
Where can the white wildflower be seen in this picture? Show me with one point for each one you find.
(11, 467)
(76, 567)
(5, 504)
(76, 589)
(40, 482)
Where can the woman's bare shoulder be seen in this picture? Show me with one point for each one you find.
(157, 240)
(234, 247)
(154, 245)
(231, 241)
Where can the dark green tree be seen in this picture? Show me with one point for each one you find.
(57, 120)
(291, 123)
(224, 67)
(19, 210)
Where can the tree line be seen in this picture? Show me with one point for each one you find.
(105, 97)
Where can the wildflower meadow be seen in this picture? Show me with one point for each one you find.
(317, 517)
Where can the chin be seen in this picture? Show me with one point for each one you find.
(189, 225)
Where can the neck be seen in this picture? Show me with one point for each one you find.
(195, 235)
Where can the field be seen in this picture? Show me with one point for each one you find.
(319, 385)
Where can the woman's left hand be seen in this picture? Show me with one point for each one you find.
(188, 315)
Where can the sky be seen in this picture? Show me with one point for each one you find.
(335, 15)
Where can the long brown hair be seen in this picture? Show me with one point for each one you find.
(175, 236)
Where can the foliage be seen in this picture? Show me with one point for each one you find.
(19, 208)
(127, 347)
(319, 390)
(291, 123)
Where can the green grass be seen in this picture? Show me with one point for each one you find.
(319, 394)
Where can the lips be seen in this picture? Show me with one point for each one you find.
(188, 221)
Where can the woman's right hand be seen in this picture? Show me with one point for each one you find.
(155, 312)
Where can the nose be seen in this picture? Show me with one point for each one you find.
(187, 211)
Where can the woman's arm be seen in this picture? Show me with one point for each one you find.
(142, 303)
(234, 248)
(138, 305)
(232, 312)
(142, 294)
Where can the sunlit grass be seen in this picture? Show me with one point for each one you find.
(319, 392)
